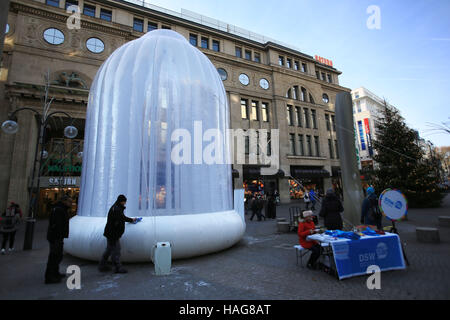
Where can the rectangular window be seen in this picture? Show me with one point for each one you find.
(301, 149)
(313, 116)
(257, 57)
(216, 45)
(281, 61)
(330, 148)
(289, 63)
(166, 27)
(255, 115)
(304, 67)
(327, 121)
(248, 55)
(317, 146)
(323, 76)
(247, 144)
(90, 11)
(205, 43)
(193, 38)
(289, 115)
(336, 148)
(317, 75)
(138, 25)
(295, 97)
(309, 146)
(298, 112)
(238, 52)
(244, 109)
(71, 3)
(358, 105)
(292, 143)
(306, 113)
(53, 3)
(265, 112)
(106, 15)
(269, 144)
(152, 26)
(333, 123)
(329, 78)
(303, 96)
(296, 65)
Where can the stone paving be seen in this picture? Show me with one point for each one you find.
(261, 266)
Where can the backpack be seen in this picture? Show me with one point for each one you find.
(9, 220)
(374, 212)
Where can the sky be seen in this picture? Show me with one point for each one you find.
(406, 60)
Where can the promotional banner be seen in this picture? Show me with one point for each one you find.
(361, 135)
(369, 137)
(393, 204)
(353, 257)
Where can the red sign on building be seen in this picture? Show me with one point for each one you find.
(324, 61)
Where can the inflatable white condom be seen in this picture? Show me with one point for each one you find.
(143, 92)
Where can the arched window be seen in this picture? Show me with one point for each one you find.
(303, 96)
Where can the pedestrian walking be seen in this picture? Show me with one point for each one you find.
(331, 211)
(306, 199)
(370, 211)
(114, 229)
(271, 206)
(312, 198)
(58, 230)
(256, 206)
(10, 221)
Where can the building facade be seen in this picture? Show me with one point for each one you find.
(269, 86)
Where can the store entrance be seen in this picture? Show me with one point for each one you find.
(48, 197)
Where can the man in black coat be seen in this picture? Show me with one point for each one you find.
(114, 229)
(58, 229)
(331, 211)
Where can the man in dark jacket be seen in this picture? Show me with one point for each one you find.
(331, 211)
(115, 227)
(370, 214)
(58, 229)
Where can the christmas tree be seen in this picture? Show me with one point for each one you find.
(401, 163)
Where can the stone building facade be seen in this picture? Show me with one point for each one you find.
(269, 86)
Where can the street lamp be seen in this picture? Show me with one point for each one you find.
(11, 127)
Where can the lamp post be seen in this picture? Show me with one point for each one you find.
(11, 127)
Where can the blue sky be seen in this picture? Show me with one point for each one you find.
(406, 61)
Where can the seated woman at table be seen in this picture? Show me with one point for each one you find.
(305, 229)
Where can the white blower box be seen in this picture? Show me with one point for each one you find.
(162, 258)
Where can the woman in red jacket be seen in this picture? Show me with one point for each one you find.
(305, 229)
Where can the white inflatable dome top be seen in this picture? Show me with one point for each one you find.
(144, 91)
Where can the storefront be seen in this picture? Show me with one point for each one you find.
(53, 188)
(254, 181)
(306, 177)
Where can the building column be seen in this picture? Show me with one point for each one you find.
(284, 191)
(327, 182)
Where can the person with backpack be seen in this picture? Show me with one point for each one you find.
(312, 198)
(370, 211)
(10, 220)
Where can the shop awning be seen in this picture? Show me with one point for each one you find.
(256, 172)
(310, 173)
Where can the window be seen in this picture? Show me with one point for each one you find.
(296, 65)
(265, 112)
(53, 36)
(298, 113)
(257, 57)
(289, 63)
(327, 121)
(223, 74)
(306, 113)
(152, 26)
(166, 27)
(317, 146)
(317, 75)
(304, 67)
(216, 45)
(325, 98)
(281, 61)
(107, 15)
(248, 55)
(295, 92)
(269, 144)
(205, 43)
(289, 93)
(247, 144)
(193, 39)
(336, 148)
(244, 109)
(311, 98)
(89, 10)
(313, 116)
(7, 28)
(358, 105)
(138, 25)
(289, 115)
(356, 95)
(323, 76)
(255, 114)
(303, 96)
(330, 148)
(308, 145)
(54, 3)
(301, 149)
(71, 3)
(95, 45)
(292, 143)
(333, 123)
(329, 78)
(238, 52)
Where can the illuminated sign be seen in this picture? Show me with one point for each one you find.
(368, 135)
(361, 135)
(323, 60)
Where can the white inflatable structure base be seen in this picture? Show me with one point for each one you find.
(189, 235)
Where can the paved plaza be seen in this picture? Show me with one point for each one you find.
(261, 266)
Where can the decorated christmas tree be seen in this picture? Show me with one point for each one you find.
(401, 163)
